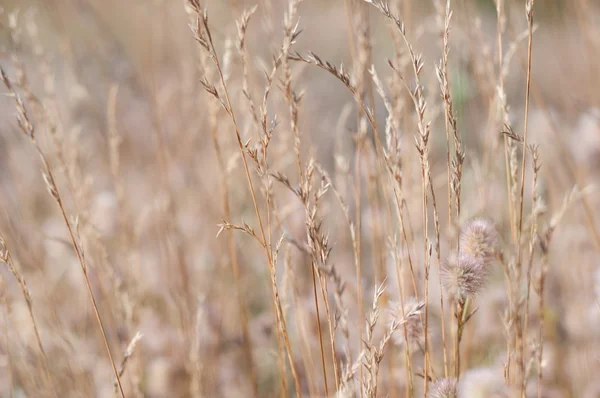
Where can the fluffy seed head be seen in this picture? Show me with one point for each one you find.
(464, 277)
(414, 326)
(479, 239)
(443, 388)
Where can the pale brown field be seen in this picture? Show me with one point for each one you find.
(350, 198)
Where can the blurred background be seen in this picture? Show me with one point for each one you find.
(148, 167)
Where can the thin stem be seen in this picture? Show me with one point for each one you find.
(462, 309)
(6, 257)
(235, 268)
(280, 319)
(529, 9)
(314, 279)
(358, 233)
(28, 129)
(425, 182)
(325, 294)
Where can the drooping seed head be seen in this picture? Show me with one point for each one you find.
(464, 277)
(479, 239)
(443, 388)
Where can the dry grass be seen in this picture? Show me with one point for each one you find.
(300, 198)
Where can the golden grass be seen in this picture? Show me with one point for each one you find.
(300, 198)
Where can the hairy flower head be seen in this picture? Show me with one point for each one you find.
(464, 276)
(443, 388)
(479, 239)
(413, 324)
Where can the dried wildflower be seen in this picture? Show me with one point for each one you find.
(479, 239)
(464, 277)
(443, 388)
(414, 326)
